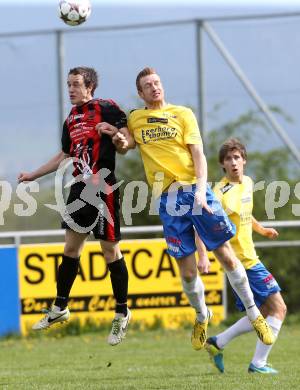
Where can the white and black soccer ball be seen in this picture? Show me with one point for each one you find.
(74, 12)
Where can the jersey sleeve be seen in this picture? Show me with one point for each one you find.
(112, 114)
(191, 128)
(129, 122)
(65, 139)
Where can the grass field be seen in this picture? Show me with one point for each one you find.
(157, 359)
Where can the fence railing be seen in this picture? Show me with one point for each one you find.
(17, 236)
(201, 25)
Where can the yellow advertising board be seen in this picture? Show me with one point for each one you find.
(155, 289)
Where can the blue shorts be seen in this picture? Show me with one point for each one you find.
(179, 218)
(262, 283)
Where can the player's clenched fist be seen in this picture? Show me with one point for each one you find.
(24, 176)
(120, 141)
(106, 128)
(271, 233)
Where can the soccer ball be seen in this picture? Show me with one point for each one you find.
(74, 12)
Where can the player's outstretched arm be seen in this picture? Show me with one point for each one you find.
(51, 166)
(263, 231)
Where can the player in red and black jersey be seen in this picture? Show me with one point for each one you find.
(93, 202)
(80, 140)
(93, 158)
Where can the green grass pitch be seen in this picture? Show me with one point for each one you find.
(154, 359)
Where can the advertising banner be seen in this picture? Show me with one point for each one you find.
(155, 291)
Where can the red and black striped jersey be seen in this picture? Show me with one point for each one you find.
(82, 142)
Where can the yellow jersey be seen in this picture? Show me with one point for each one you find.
(163, 136)
(237, 201)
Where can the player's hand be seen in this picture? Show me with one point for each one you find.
(106, 128)
(203, 264)
(120, 141)
(200, 200)
(24, 176)
(271, 233)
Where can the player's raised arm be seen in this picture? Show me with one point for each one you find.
(50, 166)
(263, 231)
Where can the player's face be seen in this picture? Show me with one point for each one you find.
(234, 165)
(78, 92)
(152, 91)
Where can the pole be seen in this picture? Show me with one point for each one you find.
(200, 80)
(60, 80)
(251, 90)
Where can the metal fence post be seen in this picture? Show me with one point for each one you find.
(200, 80)
(251, 90)
(60, 78)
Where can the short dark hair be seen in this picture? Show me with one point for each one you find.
(145, 72)
(90, 76)
(230, 145)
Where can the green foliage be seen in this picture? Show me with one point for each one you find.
(250, 129)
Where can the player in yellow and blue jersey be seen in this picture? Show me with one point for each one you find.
(171, 148)
(235, 192)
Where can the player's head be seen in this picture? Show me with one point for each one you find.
(232, 157)
(149, 87)
(82, 82)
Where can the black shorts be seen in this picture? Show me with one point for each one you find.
(98, 212)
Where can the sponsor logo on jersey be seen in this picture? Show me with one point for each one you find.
(78, 116)
(74, 117)
(168, 115)
(157, 120)
(246, 200)
(226, 188)
(158, 133)
(80, 124)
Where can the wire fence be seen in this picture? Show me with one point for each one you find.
(35, 65)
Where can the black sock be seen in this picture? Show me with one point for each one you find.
(67, 272)
(119, 282)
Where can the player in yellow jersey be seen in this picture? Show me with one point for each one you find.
(235, 192)
(171, 148)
